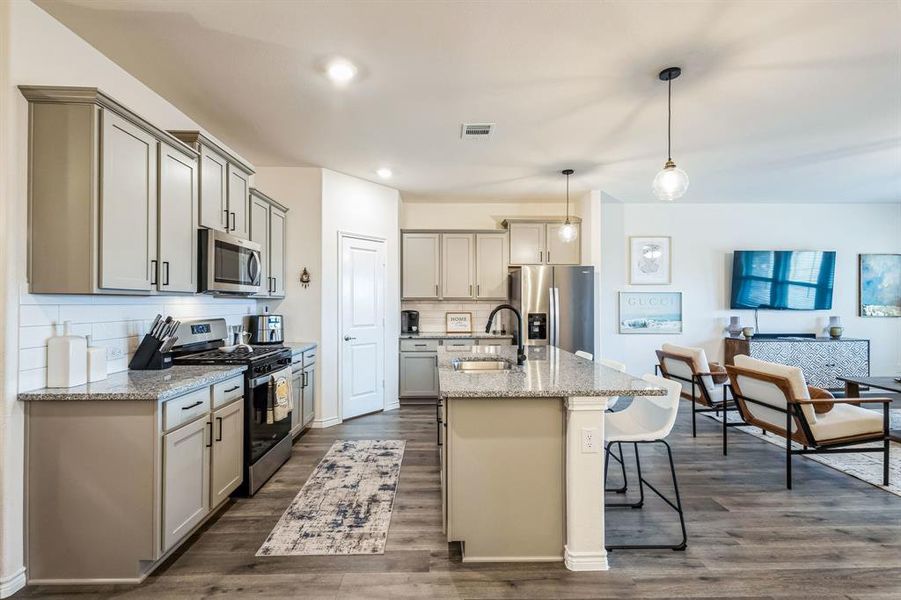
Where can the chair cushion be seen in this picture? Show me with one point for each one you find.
(820, 394)
(846, 420)
(794, 375)
(698, 358)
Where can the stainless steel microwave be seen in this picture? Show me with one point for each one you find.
(228, 265)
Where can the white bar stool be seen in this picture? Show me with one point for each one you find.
(648, 420)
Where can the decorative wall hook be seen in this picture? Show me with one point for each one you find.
(305, 278)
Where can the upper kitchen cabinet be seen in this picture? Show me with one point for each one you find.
(269, 228)
(527, 243)
(458, 259)
(560, 252)
(420, 269)
(454, 265)
(177, 266)
(224, 185)
(98, 185)
(537, 242)
(491, 266)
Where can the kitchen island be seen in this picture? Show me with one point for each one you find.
(522, 453)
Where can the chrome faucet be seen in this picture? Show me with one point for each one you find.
(520, 350)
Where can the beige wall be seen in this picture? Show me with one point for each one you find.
(474, 215)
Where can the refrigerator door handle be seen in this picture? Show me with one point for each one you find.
(551, 321)
(557, 316)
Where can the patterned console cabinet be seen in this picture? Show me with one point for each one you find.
(821, 359)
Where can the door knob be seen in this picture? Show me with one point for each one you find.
(347, 338)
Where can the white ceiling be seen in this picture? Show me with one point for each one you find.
(778, 102)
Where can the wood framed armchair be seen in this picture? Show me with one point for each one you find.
(777, 399)
(704, 384)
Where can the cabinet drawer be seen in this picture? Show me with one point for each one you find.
(309, 357)
(495, 342)
(228, 390)
(419, 345)
(460, 343)
(184, 409)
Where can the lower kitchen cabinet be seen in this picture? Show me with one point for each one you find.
(418, 375)
(228, 452)
(186, 488)
(115, 485)
(309, 393)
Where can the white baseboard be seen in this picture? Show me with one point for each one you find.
(11, 584)
(324, 423)
(392, 406)
(585, 561)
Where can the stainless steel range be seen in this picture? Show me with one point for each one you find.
(267, 442)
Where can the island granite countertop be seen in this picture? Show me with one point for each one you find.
(549, 372)
(140, 385)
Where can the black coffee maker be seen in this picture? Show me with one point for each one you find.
(409, 321)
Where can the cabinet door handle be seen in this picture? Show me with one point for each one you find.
(166, 272)
(348, 338)
(226, 219)
(303, 380)
(540, 255)
(478, 290)
(470, 289)
(218, 439)
(274, 285)
(549, 256)
(154, 274)
(229, 390)
(436, 360)
(234, 221)
(198, 403)
(436, 289)
(210, 423)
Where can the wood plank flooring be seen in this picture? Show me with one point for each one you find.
(830, 537)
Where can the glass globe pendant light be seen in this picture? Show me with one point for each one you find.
(567, 232)
(671, 182)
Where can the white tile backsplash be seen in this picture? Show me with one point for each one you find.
(432, 314)
(117, 322)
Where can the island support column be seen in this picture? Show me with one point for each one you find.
(584, 549)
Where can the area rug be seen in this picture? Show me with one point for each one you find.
(345, 506)
(866, 467)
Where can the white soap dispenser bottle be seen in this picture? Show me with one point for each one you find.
(96, 362)
(67, 359)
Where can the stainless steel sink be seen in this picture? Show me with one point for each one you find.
(481, 365)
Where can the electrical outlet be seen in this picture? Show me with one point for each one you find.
(114, 352)
(590, 441)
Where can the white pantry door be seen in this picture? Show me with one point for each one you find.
(362, 332)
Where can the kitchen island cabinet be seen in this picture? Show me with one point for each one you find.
(518, 481)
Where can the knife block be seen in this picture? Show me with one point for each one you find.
(148, 356)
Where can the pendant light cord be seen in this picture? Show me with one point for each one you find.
(567, 198)
(669, 119)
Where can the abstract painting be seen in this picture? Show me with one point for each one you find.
(649, 260)
(880, 285)
(650, 312)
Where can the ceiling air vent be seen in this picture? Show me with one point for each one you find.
(476, 131)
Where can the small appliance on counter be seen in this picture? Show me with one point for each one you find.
(409, 321)
(67, 359)
(265, 329)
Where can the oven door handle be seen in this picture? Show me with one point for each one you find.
(261, 380)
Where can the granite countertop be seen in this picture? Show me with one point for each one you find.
(141, 385)
(298, 347)
(548, 373)
(475, 335)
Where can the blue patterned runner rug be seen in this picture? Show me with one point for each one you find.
(345, 506)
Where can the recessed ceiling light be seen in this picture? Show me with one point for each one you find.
(340, 71)
(384, 173)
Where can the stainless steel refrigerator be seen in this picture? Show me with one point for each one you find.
(557, 305)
